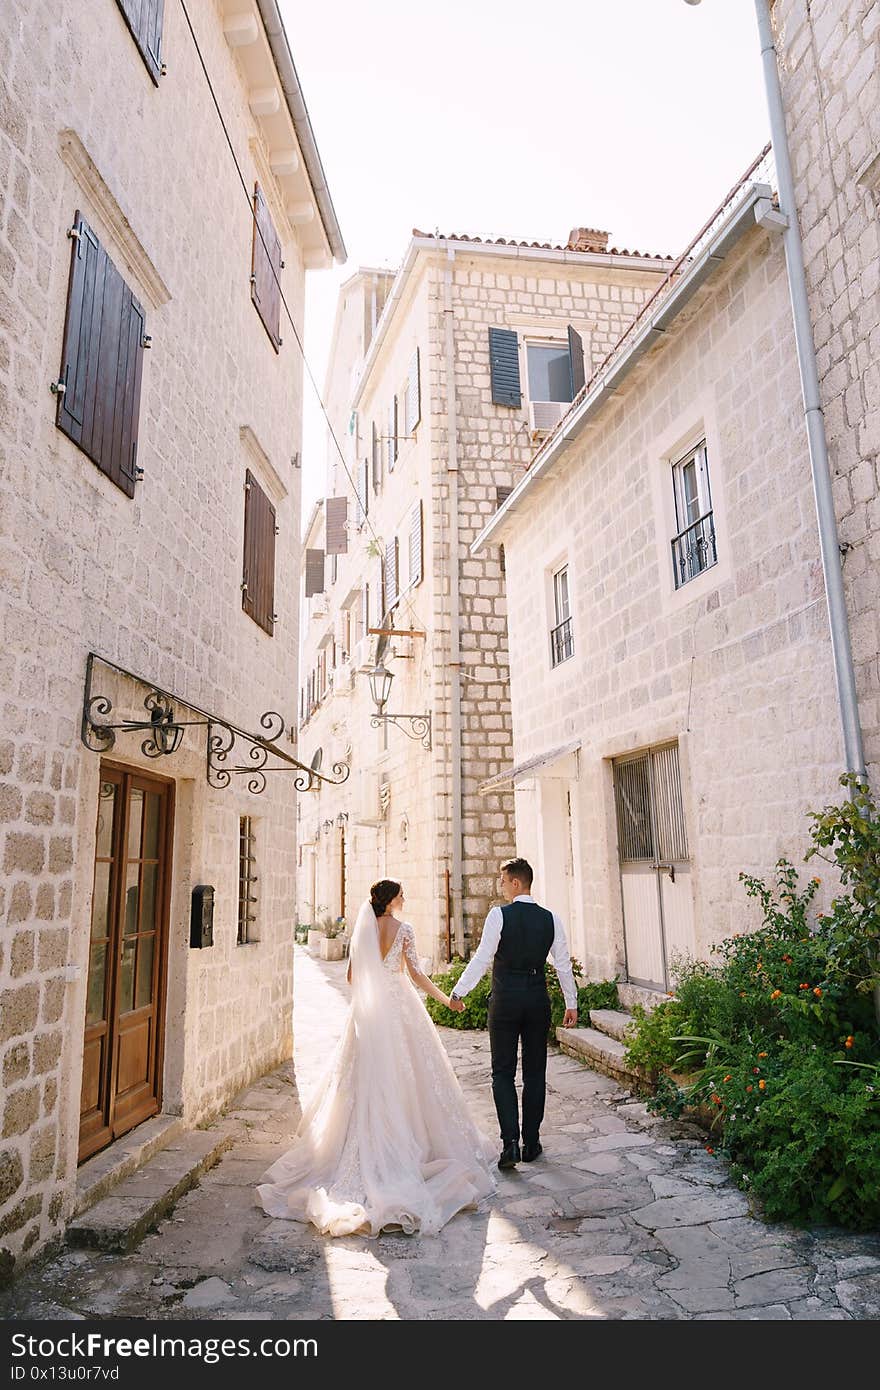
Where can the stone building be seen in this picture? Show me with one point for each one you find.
(829, 67)
(439, 399)
(150, 407)
(674, 709)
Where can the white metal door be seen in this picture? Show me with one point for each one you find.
(654, 865)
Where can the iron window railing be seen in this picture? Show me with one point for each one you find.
(247, 880)
(693, 549)
(561, 643)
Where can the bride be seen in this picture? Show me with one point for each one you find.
(386, 1141)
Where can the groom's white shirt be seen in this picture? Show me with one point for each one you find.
(485, 954)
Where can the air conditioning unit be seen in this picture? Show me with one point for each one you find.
(544, 416)
(320, 605)
(403, 647)
(369, 810)
(343, 678)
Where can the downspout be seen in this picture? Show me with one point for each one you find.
(454, 609)
(815, 421)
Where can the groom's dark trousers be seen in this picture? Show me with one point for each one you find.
(519, 1011)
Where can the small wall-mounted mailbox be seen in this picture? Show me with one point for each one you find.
(201, 924)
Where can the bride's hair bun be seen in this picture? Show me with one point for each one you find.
(383, 893)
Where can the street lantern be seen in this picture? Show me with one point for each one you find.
(380, 685)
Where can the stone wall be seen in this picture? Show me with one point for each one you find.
(829, 62)
(152, 583)
(736, 664)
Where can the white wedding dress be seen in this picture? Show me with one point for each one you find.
(386, 1141)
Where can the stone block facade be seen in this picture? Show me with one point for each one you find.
(152, 583)
(830, 73)
(435, 831)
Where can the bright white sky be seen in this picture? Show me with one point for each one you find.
(507, 118)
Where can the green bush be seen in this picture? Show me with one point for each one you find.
(600, 994)
(783, 1036)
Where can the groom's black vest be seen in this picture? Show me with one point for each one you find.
(526, 938)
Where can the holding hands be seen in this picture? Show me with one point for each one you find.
(456, 1005)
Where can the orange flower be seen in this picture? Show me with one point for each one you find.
(760, 965)
(742, 994)
(762, 1085)
(762, 1054)
(804, 986)
(818, 993)
(850, 1041)
(776, 993)
(750, 1088)
(787, 959)
(709, 1149)
(817, 881)
(727, 1077)
(716, 1100)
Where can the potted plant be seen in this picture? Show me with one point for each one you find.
(332, 945)
(301, 933)
(316, 932)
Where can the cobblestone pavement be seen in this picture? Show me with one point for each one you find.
(625, 1217)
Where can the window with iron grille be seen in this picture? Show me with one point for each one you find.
(561, 641)
(247, 881)
(693, 547)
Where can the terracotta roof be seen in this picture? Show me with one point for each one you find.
(543, 245)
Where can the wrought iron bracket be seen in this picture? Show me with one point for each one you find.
(415, 726)
(165, 734)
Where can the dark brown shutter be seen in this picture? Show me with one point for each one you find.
(502, 492)
(266, 269)
(144, 19)
(575, 360)
(335, 519)
(314, 572)
(377, 459)
(102, 361)
(258, 579)
(415, 544)
(391, 590)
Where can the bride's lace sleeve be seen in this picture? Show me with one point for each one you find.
(409, 948)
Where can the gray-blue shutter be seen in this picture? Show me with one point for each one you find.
(576, 361)
(504, 367)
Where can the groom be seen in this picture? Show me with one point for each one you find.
(516, 941)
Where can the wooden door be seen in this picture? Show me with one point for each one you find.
(125, 995)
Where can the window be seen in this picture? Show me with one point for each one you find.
(266, 267)
(363, 492)
(247, 882)
(376, 455)
(314, 572)
(391, 440)
(549, 375)
(144, 20)
(258, 576)
(391, 588)
(99, 387)
(412, 396)
(561, 644)
(693, 547)
(336, 525)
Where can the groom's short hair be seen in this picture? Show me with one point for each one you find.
(520, 869)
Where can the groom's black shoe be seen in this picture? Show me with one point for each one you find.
(531, 1151)
(509, 1155)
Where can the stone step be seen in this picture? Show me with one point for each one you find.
(138, 1202)
(598, 1050)
(97, 1177)
(635, 994)
(614, 1022)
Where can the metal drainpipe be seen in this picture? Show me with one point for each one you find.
(815, 420)
(454, 607)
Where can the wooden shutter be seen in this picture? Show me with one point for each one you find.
(258, 581)
(575, 361)
(335, 518)
(363, 491)
(391, 589)
(102, 361)
(266, 269)
(377, 459)
(413, 401)
(391, 440)
(365, 609)
(504, 367)
(415, 544)
(314, 572)
(502, 492)
(144, 19)
(381, 595)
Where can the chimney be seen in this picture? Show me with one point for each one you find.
(587, 239)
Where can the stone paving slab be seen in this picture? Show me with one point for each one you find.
(625, 1217)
